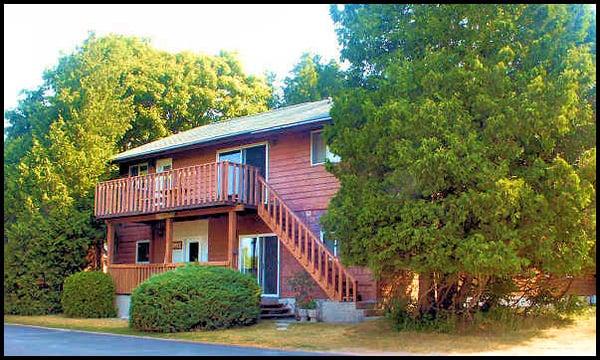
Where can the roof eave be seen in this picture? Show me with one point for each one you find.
(317, 119)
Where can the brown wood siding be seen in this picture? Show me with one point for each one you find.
(583, 285)
(217, 238)
(249, 224)
(302, 186)
(290, 267)
(157, 245)
(126, 237)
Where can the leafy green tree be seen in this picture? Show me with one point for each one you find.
(276, 99)
(467, 134)
(311, 80)
(111, 94)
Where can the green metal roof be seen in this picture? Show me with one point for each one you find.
(289, 116)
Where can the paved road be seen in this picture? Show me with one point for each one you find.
(25, 340)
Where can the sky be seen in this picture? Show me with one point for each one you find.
(266, 37)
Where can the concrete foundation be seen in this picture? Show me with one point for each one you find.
(122, 302)
(339, 312)
(327, 310)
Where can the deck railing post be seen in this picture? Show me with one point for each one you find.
(110, 238)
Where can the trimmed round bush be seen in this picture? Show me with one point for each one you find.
(89, 294)
(195, 297)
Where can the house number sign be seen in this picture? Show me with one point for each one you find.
(177, 245)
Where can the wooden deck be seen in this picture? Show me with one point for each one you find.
(184, 188)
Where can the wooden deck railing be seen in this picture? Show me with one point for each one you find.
(188, 187)
(128, 276)
(312, 254)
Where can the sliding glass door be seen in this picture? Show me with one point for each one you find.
(253, 155)
(259, 257)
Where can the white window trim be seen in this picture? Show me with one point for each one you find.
(137, 253)
(138, 166)
(258, 265)
(328, 154)
(187, 250)
(166, 161)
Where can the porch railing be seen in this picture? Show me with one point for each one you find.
(128, 276)
(188, 187)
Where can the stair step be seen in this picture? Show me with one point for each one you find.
(277, 316)
(275, 311)
(271, 306)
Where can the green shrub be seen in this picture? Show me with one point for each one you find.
(89, 294)
(195, 297)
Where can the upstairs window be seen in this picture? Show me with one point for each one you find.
(319, 151)
(138, 169)
(142, 253)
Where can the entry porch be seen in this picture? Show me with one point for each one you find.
(139, 247)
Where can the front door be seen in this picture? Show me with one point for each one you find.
(259, 257)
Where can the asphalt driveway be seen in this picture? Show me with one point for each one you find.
(25, 340)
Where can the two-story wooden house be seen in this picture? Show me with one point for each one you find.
(245, 193)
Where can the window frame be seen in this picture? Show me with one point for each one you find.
(245, 146)
(138, 167)
(328, 154)
(159, 164)
(137, 243)
(187, 250)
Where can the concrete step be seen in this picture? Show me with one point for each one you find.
(275, 311)
(272, 306)
(277, 316)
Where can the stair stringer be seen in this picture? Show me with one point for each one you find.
(324, 267)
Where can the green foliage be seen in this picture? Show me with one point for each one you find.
(89, 294)
(311, 80)
(111, 94)
(467, 134)
(195, 297)
(311, 305)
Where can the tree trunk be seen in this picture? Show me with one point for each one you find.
(426, 297)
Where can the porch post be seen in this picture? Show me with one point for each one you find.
(232, 243)
(168, 240)
(110, 240)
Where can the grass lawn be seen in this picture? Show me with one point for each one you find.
(574, 334)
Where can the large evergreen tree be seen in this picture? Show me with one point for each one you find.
(111, 94)
(467, 138)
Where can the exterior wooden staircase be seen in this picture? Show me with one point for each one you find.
(324, 267)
